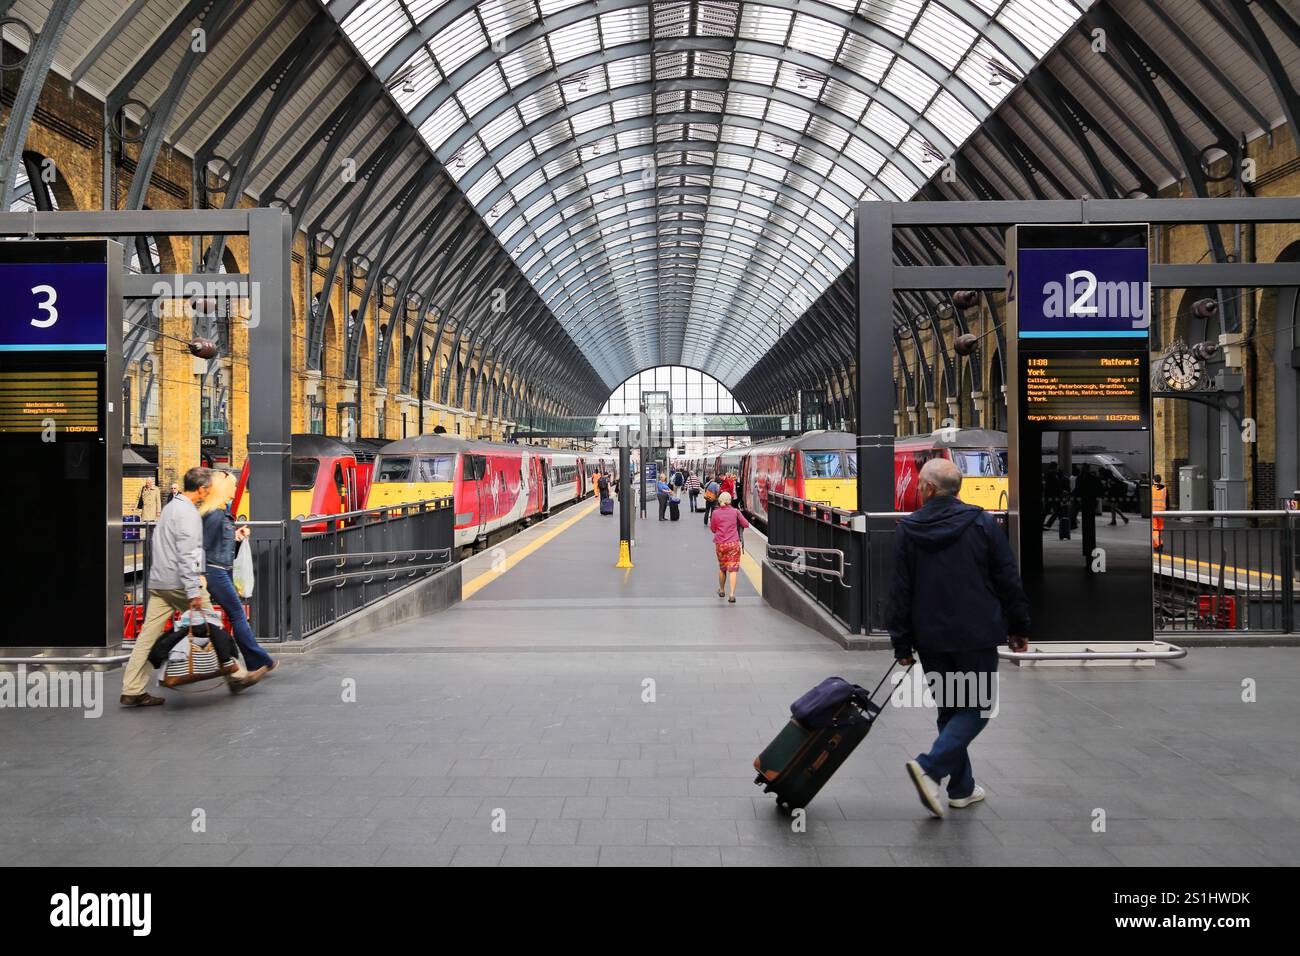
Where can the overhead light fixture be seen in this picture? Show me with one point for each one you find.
(408, 85)
(999, 71)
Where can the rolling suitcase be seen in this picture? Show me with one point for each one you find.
(806, 753)
(674, 509)
(607, 506)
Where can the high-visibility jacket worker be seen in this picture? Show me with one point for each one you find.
(1159, 501)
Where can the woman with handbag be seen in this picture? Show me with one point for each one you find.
(725, 523)
(220, 539)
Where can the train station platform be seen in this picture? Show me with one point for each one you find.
(566, 712)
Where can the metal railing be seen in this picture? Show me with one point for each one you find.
(304, 582)
(1233, 571)
(818, 548)
(363, 556)
(1226, 571)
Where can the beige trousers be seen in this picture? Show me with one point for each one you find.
(159, 607)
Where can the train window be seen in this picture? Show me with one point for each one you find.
(977, 463)
(439, 468)
(339, 484)
(474, 469)
(393, 468)
(853, 463)
(823, 464)
(302, 473)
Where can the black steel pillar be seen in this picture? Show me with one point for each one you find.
(269, 409)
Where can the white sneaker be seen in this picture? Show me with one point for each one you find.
(927, 788)
(976, 796)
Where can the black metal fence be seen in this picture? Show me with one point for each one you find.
(818, 548)
(1226, 571)
(1214, 571)
(306, 581)
(364, 556)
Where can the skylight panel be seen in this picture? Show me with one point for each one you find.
(943, 36)
(375, 26)
(458, 43)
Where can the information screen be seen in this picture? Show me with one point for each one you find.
(1102, 389)
(34, 400)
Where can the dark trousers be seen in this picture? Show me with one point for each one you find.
(694, 494)
(708, 509)
(663, 507)
(958, 725)
(222, 589)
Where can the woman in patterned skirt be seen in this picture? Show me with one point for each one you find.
(725, 523)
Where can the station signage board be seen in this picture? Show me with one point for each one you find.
(1079, 417)
(61, 423)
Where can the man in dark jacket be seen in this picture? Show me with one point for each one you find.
(956, 596)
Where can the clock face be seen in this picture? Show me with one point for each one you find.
(1181, 370)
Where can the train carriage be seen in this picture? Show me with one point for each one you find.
(818, 466)
(493, 485)
(979, 453)
(326, 477)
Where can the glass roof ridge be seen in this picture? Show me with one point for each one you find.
(647, 166)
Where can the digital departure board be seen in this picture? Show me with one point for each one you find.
(37, 400)
(1095, 389)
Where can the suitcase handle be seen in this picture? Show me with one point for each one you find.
(871, 698)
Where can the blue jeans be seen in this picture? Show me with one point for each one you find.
(222, 589)
(958, 726)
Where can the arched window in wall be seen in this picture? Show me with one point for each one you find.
(693, 392)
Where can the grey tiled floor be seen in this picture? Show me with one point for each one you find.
(524, 706)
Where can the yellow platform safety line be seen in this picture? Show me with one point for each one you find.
(752, 571)
(1173, 562)
(477, 584)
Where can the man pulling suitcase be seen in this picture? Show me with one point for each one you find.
(956, 596)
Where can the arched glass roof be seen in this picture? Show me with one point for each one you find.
(677, 179)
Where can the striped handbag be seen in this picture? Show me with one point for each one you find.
(194, 660)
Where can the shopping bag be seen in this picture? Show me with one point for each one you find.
(242, 572)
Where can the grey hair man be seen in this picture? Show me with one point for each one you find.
(176, 582)
(956, 596)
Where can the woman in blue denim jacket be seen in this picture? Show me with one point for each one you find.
(220, 540)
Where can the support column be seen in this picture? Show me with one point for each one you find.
(269, 357)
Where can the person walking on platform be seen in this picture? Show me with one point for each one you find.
(175, 584)
(711, 492)
(220, 539)
(1116, 492)
(149, 504)
(693, 489)
(663, 491)
(729, 485)
(1089, 490)
(1159, 502)
(726, 523)
(956, 596)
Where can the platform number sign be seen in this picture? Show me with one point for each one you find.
(61, 322)
(53, 306)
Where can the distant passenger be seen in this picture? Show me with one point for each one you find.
(693, 489)
(149, 504)
(1159, 502)
(176, 491)
(726, 524)
(1116, 495)
(956, 596)
(602, 485)
(711, 492)
(220, 540)
(664, 492)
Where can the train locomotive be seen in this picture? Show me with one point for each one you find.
(493, 485)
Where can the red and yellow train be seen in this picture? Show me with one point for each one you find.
(494, 485)
(822, 466)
